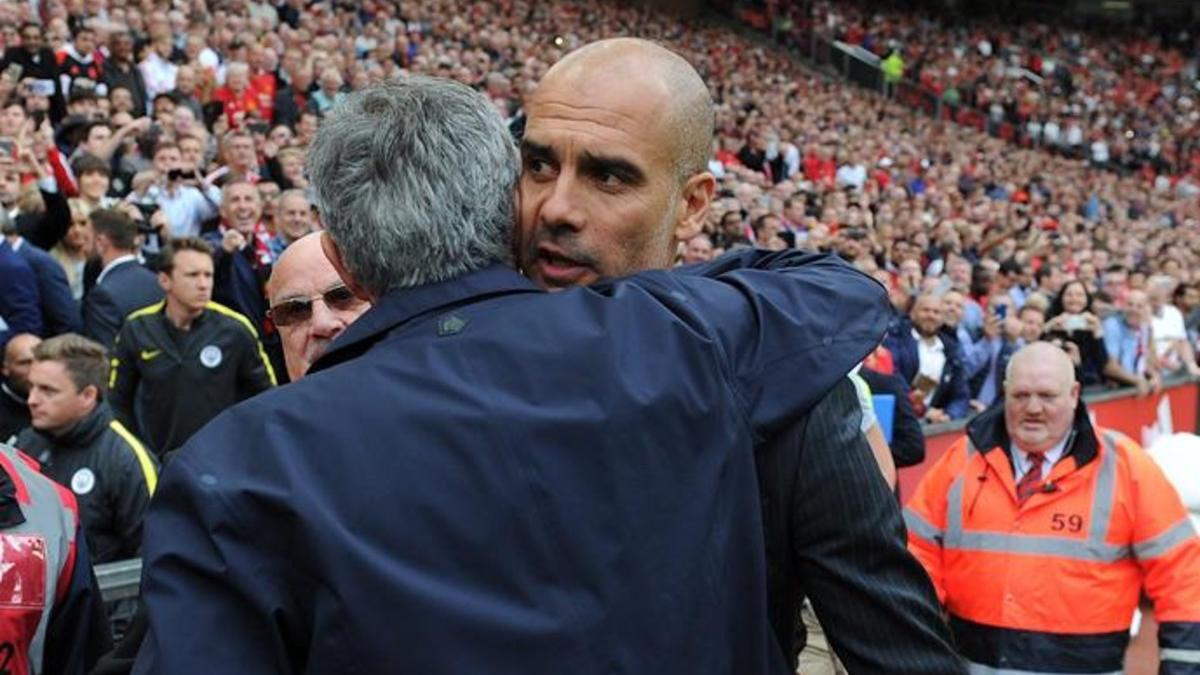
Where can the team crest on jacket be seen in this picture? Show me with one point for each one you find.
(210, 356)
(83, 481)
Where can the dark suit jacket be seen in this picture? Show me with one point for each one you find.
(126, 287)
(908, 441)
(835, 534)
(953, 394)
(60, 312)
(20, 302)
(578, 468)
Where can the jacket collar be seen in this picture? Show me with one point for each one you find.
(406, 304)
(987, 432)
(83, 432)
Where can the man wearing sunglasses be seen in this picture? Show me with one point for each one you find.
(184, 359)
(310, 305)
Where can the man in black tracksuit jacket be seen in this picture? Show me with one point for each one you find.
(85, 449)
(180, 362)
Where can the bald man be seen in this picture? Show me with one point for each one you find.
(14, 388)
(309, 303)
(1040, 532)
(615, 157)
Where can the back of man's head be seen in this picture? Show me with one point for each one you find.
(116, 227)
(414, 180)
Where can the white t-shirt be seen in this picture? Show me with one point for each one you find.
(1168, 326)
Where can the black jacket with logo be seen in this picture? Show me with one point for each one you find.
(111, 474)
(182, 379)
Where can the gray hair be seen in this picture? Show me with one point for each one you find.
(415, 180)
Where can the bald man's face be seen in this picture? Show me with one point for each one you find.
(599, 192)
(309, 304)
(1040, 396)
(18, 360)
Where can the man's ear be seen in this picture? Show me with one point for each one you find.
(91, 393)
(696, 198)
(334, 254)
(164, 281)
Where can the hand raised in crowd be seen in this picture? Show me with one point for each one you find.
(233, 241)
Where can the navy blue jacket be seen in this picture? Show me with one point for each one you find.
(953, 394)
(59, 309)
(127, 287)
(20, 301)
(482, 477)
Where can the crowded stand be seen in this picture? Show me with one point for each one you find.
(158, 207)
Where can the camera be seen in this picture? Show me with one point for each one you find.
(177, 174)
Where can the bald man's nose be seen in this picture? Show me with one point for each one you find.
(562, 206)
(325, 322)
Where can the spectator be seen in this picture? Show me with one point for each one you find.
(14, 389)
(73, 250)
(293, 220)
(930, 359)
(697, 249)
(187, 358)
(79, 445)
(80, 62)
(1172, 347)
(124, 284)
(120, 72)
(1071, 319)
(186, 200)
(1129, 338)
(38, 64)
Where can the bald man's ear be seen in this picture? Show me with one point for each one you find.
(334, 254)
(696, 199)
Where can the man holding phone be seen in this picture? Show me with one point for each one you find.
(186, 198)
(39, 65)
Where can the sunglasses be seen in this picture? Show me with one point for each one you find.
(299, 310)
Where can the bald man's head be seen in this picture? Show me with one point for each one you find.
(647, 69)
(18, 359)
(1040, 397)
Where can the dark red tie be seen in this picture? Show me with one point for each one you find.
(1032, 480)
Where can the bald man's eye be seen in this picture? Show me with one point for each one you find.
(538, 167)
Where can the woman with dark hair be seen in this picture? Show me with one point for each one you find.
(1073, 325)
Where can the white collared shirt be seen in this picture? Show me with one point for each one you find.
(931, 359)
(1022, 465)
(116, 261)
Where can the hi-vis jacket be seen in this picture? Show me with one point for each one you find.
(1051, 586)
(51, 615)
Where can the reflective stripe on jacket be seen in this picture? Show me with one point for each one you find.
(1050, 586)
(38, 558)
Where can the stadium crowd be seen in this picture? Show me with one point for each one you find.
(152, 172)
(1121, 98)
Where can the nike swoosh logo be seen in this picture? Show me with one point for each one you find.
(148, 354)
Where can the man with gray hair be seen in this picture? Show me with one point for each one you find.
(523, 482)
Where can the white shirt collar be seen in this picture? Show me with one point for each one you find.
(116, 261)
(1022, 465)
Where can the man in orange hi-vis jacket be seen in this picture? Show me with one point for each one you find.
(1039, 533)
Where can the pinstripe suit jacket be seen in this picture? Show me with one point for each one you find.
(835, 534)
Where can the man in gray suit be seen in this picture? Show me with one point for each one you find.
(614, 161)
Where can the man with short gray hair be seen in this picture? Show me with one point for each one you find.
(524, 482)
